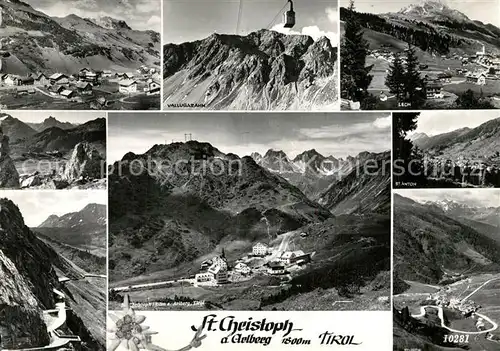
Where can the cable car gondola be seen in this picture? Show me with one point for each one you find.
(289, 16)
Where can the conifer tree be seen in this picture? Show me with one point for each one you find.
(414, 84)
(355, 77)
(395, 79)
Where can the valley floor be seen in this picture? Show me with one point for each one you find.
(447, 306)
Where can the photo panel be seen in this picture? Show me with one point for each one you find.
(250, 55)
(231, 211)
(80, 55)
(52, 150)
(53, 257)
(446, 269)
(427, 55)
(446, 149)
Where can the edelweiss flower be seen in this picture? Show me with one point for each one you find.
(128, 331)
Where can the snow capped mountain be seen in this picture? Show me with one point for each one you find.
(432, 9)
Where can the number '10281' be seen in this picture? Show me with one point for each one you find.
(455, 338)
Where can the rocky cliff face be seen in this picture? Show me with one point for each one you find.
(85, 162)
(264, 70)
(27, 278)
(29, 271)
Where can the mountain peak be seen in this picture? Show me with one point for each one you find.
(434, 10)
(275, 153)
(111, 23)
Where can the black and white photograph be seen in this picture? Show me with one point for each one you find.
(52, 150)
(446, 149)
(250, 55)
(53, 270)
(231, 211)
(446, 269)
(420, 55)
(80, 55)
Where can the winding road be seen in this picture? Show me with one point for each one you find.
(441, 314)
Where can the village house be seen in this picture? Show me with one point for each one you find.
(275, 268)
(291, 257)
(56, 89)
(242, 268)
(220, 274)
(41, 80)
(153, 88)
(11, 79)
(445, 77)
(84, 71)
(434, 90)
(204, 277)
(59, 79)
(476, 78)
(68, 94)
(260, 249)
(89, 77)
(125, 75)
(127, 86)
(26, 80)
(107, 74)
(84, 88)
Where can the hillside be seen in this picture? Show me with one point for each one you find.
(85, 229)
(64, 140)
(15, 129)
(186, 211)
(30, 270)
(433, 27)
(50, 122)
(482, 141)
(39, 43)
(427, 242)
(264, 70)
(365, 189)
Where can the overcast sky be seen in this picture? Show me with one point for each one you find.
(62, 116)
(471, 197)
(189, 20)
(339, 134)
(438, 122)
(483, 10)
(37, 206)
(139, 14)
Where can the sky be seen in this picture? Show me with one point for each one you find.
(471, 197)
(62, 116)
(37, 206)
(139, 14)
(189, 20)
(337, 134)
(439, 122)
(482, 10)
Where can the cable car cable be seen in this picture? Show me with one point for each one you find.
(240, 10)
(279, 13)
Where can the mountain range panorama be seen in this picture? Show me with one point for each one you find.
(262, 70)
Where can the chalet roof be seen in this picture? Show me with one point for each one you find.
(260, 245)
(83, 85)
(127, 82)
(67, 92)
(57, 76)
